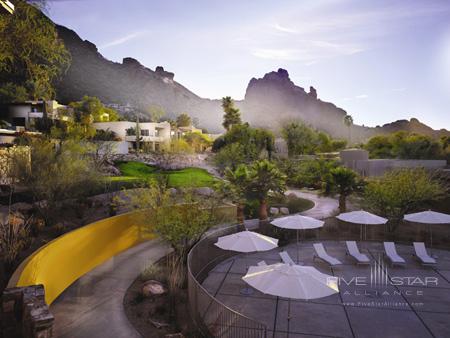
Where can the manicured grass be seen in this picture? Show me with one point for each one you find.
(136, 169)
(190, 177)
(140, 172)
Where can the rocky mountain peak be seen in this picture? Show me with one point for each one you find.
(163, 73)
(130, 62)
(269, 102)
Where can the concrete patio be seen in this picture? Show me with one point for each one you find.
(418, 305)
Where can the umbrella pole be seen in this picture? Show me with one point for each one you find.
(298, 249)
(289, 317)
(431, 242)
(246, 291)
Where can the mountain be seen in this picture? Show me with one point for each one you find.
(127, 83)
(269, 101)
(274, 99)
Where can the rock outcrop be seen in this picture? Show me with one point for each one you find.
(275, 99)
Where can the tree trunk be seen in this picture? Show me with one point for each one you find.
(263, 210)
(342, 204)
(240, 213)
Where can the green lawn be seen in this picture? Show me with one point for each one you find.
(140, 172)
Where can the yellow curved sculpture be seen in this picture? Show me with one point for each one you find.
(65, 259)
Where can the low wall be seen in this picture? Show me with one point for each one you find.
(378, 167)
(62, 261)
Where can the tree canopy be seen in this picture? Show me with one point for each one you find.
(406, 146)
(90, 108)
(243, 144)
(184, 120)
(156, 113)
(303, 140)
(232, 116)
(344, 182)
(402, 191)
(32, 57)
(255, 181)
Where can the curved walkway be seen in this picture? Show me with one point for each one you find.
(323, 206)
(92, 306)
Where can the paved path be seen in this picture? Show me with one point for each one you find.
(323, 206)
(92, 306)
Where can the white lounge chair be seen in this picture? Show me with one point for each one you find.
(422, 254)
(352, 250)
(262, 263)
(392, 254)
(286, 258)
(322, 254)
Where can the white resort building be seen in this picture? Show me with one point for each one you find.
(154, 134)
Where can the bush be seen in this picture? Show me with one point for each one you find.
(14, 237)
(155, 272)
(313, 174)
(292, 202)
(296, 204)
(242, 145)
(406, 146)
(402, 191)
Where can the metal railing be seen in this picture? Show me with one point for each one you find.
(213, 318)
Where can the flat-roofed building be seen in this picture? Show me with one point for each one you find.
(24, 115)
(154, 134)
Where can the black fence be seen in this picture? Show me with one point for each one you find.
(213, 318)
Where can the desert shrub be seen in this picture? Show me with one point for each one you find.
(406, 146)
(54, 173)
(153, 271)
(14, 237)
(59, 229)
(402, 191)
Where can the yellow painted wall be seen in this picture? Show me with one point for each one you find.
(62, 261)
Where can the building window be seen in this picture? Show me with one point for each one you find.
(145, 132)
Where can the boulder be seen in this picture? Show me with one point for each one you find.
(152, 287)
(111, 170)
(284, 211)
(204, 191)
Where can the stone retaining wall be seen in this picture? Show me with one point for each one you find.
(25, 314)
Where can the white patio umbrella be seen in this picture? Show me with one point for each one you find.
(428, 217)
(363, 218)
(297, 222)
(291, 281)
(246, 241)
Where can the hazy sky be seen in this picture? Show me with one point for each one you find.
(381, 60)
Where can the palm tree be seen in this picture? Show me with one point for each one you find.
(235, 188)
(344, 182)
(348, 121)
(264, 176)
